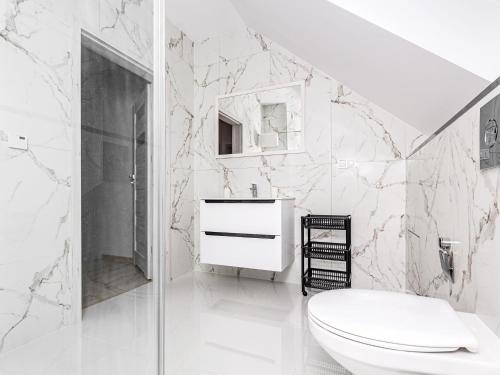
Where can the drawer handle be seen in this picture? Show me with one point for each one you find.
(257, 201)
(242, 235)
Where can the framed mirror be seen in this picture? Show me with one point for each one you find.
(261, 122)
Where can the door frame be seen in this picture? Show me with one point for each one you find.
(158, 176)
(103, 49)
(148, 273)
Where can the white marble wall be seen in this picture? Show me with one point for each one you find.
(448, 196)
(180, 75)
(126, 25)
(38, 80)
(339, 124)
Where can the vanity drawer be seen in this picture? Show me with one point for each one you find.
(262, 252)
(260, 217)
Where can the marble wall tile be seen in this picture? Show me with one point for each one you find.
(38, 82)
(35, 282)
(364, 132)
(182, 222)
(287, 68)
(244, 73)
(35, 198)
(448, 196)
(206, 86)
(89, 15)
(373, 193)
(207, 51)
(339, 124)
(180, 100)
(180, 47)
(311, 187)
(247, 42)
(181, 114)
(127, 26)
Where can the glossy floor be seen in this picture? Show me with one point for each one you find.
(216, 325)
(221, 325)
(115, 337)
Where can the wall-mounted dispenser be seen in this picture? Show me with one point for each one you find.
(489, 139)
(446, 257)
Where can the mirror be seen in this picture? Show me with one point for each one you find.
(263, 121)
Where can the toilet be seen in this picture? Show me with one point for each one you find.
(388, 333)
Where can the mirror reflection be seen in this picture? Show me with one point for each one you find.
(262, 121)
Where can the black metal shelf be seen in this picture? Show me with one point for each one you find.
(327, 251)
(321, 278)
(332, 222)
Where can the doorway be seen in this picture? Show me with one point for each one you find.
(115, 173)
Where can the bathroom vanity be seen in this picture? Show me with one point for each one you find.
(254, 233)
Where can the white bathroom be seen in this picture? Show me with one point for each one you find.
(249, 187)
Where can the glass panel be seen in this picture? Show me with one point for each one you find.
(77, 288)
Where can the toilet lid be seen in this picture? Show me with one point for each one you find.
(392, 320)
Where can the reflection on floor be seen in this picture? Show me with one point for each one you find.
(215, 325)
(116, 338)
(108, 277)
(221, 325)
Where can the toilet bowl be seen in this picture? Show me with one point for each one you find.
(388, 333)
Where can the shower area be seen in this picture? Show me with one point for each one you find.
(82, 207)
(114, 167)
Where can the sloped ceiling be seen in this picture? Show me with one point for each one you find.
(461, 31)
(420, 87)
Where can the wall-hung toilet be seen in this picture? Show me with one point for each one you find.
(387, 333)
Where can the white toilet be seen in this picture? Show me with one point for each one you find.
(386, 333)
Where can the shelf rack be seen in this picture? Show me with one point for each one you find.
(321, 278)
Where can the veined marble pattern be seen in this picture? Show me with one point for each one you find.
(339, 125)
(448, 196)
(35, 195)
(180, 75)
(36, 45)
(126, 25)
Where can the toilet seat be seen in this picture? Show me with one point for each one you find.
(392, 320)
(363, 353)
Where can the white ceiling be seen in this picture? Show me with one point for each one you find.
(414, 84)
(461, 31)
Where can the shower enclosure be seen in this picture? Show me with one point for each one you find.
(83, 153)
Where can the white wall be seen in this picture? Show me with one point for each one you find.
(339, 124)
(40, 76)
(201, 19)
(180, 99)
(449, 196)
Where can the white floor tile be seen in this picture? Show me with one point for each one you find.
(216, 325)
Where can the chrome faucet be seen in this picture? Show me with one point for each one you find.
(253, 189)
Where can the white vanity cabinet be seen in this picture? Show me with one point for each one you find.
(247, 233)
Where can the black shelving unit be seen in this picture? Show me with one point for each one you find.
(321, 278)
